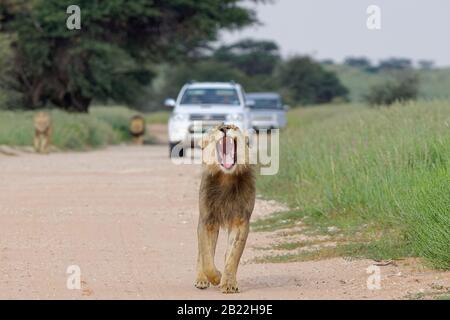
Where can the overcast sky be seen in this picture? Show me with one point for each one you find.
(416, 29)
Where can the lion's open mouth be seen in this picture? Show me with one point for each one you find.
(226, 152)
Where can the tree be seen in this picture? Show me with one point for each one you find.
(358, 62)
(252, 57)
(248, 62)
(172, 78)
(113, 55)
(426, 64)
(327, 62)
(307, 82)
(395, 64)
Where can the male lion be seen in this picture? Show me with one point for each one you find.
(137, 129)
(42, 132)
(227, 198)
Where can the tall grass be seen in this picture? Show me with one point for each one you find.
(102, 126)
(384, 171)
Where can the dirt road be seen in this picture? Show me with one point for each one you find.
(127, 217)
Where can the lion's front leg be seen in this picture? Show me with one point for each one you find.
(237, 237)
(206, 269)
(36, 143)
(201, 281)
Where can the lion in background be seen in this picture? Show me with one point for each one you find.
(42, 132)
(137, 129)
(227, 199)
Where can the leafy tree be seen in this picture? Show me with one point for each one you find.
(248, 62)
(426, 64)
(327, 62)
(358, 62)
(395, 64)
(306, 81)
(252, 57)
(172, 77)
(114, 54)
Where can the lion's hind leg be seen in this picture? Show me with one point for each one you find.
(46, 142)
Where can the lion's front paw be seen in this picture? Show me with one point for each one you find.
(201, 283)
(229, 286)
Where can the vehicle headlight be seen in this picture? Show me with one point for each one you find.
(180, 117)
(235, 117)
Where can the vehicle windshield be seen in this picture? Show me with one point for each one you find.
(266, 103)
(210, 96)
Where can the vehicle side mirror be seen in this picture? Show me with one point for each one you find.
(170, 103)
(286, 107)
(250, 103)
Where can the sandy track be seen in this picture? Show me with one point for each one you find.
(127, 217)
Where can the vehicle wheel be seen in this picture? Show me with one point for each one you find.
(172, 146)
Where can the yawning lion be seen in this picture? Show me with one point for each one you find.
(227, 198)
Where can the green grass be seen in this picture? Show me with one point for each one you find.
(159, 117)
(117, 117)
(434, 84)
(293, 245)
(383, 173)
(278, 221)
(101, 127)
(377, 250)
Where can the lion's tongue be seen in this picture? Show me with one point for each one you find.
(227, 152)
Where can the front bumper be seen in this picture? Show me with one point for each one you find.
(265, 124)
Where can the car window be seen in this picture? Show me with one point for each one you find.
(210, 96)
(266, 103)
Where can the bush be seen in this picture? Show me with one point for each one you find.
(117, 117)
(403, 87)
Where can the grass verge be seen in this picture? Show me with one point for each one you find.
(102, 126)
(383, 173)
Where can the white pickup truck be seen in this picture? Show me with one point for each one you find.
(202, 105)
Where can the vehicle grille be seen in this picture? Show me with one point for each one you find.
(205, 126)
(208, 117)
(262, 118)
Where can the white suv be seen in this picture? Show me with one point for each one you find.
(207, 104)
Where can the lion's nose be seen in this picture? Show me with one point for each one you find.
(224, 130)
